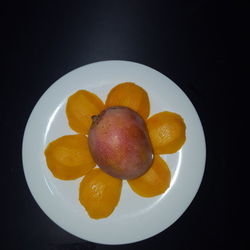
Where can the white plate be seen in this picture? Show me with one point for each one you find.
(135, 218)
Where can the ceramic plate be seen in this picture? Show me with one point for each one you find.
(135, 218)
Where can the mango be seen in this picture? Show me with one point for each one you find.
(119, 143)
(130, 95)
(79, 109)
(68, 157)
(155, 181)
(167, 131)
(99, 193)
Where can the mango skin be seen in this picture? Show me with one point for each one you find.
(119, 143)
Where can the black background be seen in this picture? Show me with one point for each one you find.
(185, 40)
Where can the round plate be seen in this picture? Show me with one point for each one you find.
(135, 218)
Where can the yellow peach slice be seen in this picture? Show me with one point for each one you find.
(79, 109)
(155, 181)
(68, 157)
(99, 193)
(167, 132)
(130, 95)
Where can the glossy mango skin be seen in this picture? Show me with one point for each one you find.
(119, 143)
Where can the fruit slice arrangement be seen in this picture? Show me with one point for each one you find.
(121, 140)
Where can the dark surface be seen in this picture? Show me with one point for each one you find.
(185, 40)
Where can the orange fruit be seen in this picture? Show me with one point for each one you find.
(99, 193)
(130, 95)
(167, 132)
(155, 181)
(80, 107)
(68, 157)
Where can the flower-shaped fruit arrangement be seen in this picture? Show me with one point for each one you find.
(121, 140)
